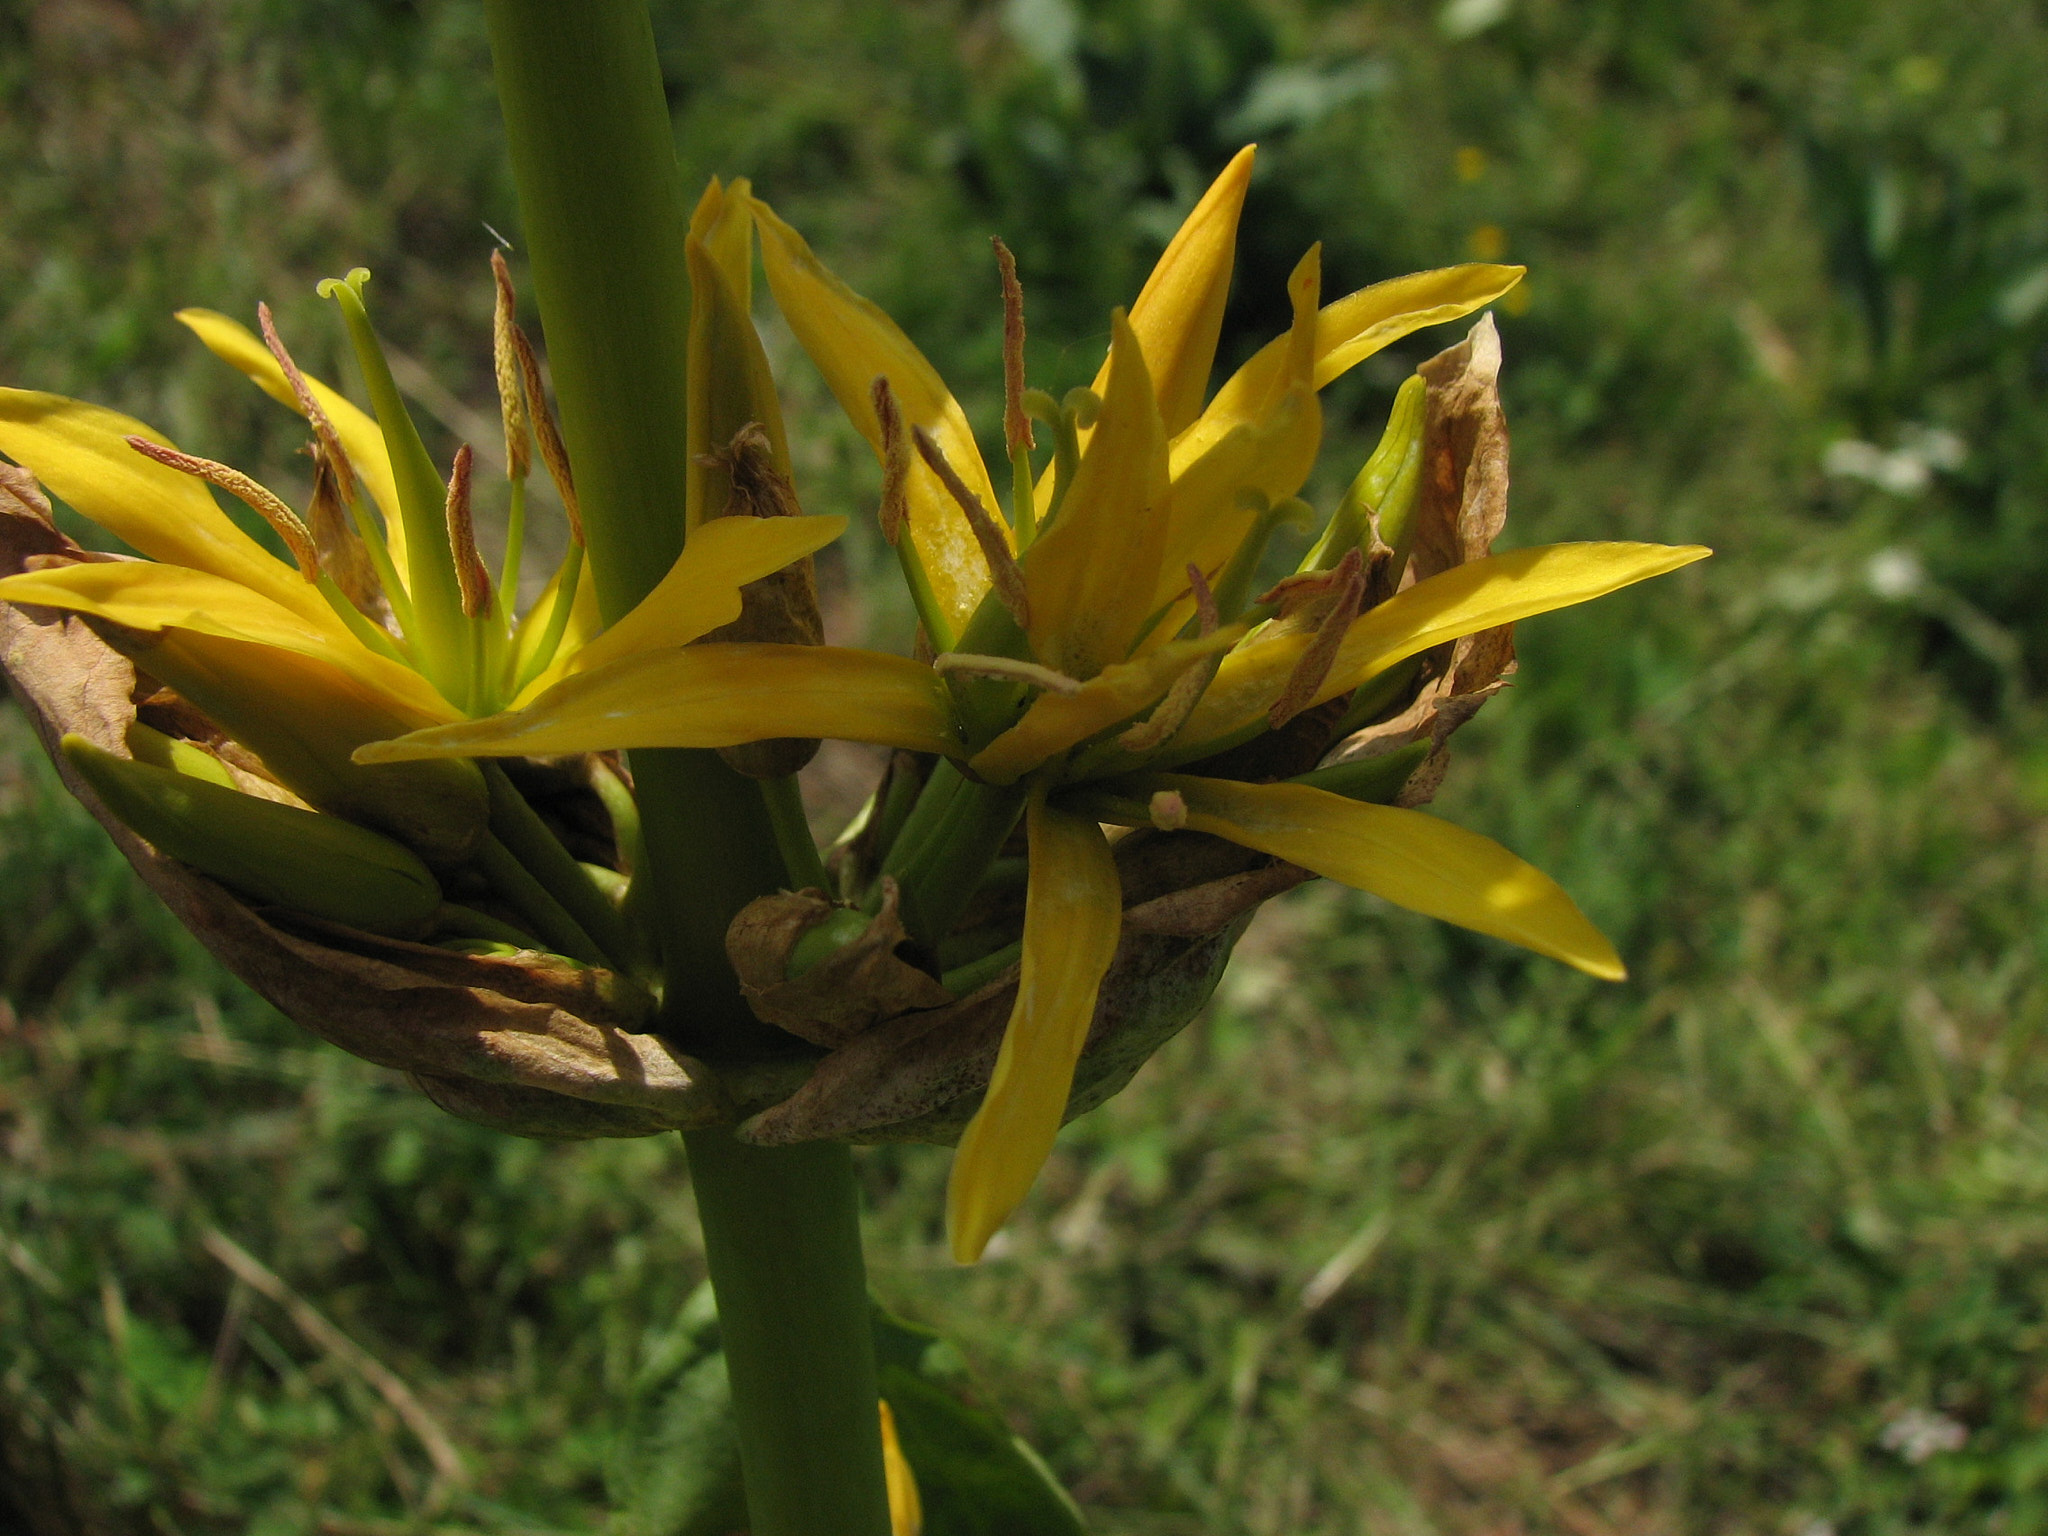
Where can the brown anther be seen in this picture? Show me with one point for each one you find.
(1159, 727)
(470, 574)
(1169, 812)
(759, 489)
(1017, 432)
(552, 453)
(1207, 615)
(1009, 670)
(1347, 586)
(1005, 575)
(258, 499)
(505, 360)
(309, 405)
(895, 461)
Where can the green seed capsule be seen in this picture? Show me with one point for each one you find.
(279, 854)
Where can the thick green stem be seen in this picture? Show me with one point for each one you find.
(602, 209)
(782, 1234)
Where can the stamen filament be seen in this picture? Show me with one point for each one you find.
(1005, 576)
(1009, 669)
(261, 500)
(360, 624)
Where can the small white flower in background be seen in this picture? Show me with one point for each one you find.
(1906, 470)
(1917, 1434)
(1895, 573)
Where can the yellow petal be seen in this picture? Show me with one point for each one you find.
(1358, 325)
(853, 343)
(1179, 313)
(1089, 574)
(1056, 721)
(906, 1509)
(241, 348)
(720, 695)
(1481, 594)
(1072, 913)
(1269, 453)
(149, 597)
(1412, 860)
(81, 452)
(702, 589)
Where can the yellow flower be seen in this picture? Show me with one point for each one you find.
(384, 619)
(1106, 631)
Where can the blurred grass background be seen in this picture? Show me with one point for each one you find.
(1412, 1233)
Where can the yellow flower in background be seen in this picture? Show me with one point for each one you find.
(1108, 631)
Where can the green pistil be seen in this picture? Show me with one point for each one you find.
(1378, 485)
(422, 500)
(1066, 418)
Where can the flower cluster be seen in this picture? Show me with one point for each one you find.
(1103, 655)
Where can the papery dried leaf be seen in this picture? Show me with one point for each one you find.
(840, 997)
(533, 1022)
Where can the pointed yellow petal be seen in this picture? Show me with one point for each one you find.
(1056, 721)
(1089, 574)
(1462, 601)
(1412, 860)
(243, 349)
(702, 589)
(151, 597)
(1268, 454)
(1072, 913)
(81, 452)
(1179, 313)
(853, 343)
(906, 1509)
(720, 695)
(1358, 325)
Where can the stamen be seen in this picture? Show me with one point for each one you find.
(1348, 581)
(895, 460)
(1016, 424)
(316, 417)
(1168, 810)
(1009, 670)
(470, 575)
(552, 453)
(260, 500)
(1160, 727)
(1005, 575)
(505, 359)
